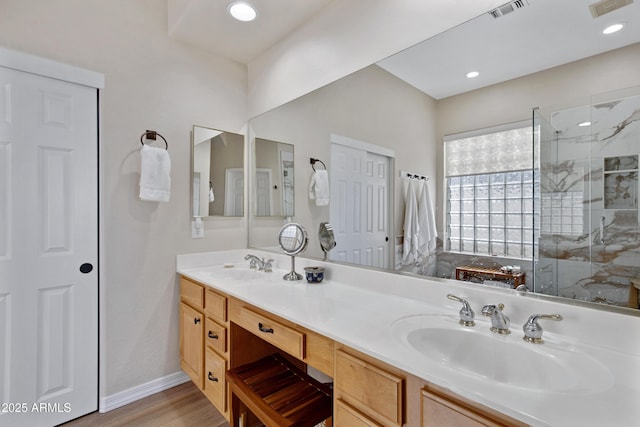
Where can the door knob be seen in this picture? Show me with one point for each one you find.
(86, 268)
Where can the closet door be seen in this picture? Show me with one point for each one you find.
(48, 250)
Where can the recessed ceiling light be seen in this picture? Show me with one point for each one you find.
(242, 11)
(584, 124)
(473, 74)
(612, 29)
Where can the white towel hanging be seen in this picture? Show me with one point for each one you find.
(410, 245)
(427, 232)
(212, 197)
(319, 187)
(155, 169)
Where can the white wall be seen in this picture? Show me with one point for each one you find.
(152, 82)
(334, 44)
(370, 105)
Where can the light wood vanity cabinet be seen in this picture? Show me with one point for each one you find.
(294, 340)
(204, 355)
(367, 390)
(218, 332)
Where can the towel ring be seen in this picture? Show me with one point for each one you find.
(152, 135)
(313, 163)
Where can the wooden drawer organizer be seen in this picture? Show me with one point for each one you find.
(278, 393)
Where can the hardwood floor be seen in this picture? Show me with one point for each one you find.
(181, 406)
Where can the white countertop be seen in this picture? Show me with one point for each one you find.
(361, 308)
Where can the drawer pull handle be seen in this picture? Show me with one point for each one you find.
(212, 378)
(265, 330)
(212, 335)
(196, 320)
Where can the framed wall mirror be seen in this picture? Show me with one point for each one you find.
(389, 105)
(217, 177)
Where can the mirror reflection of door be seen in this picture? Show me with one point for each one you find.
(264, 197)
(286, 167)
(233, 192)
(359, 207)
(275, 193)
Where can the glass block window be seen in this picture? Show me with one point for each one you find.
(562, 213)
(490, 201)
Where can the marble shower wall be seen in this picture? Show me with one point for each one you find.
(589, 247)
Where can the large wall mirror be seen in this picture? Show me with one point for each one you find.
(217, 178)
(409, 102)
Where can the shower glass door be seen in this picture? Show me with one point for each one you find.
(586, 157)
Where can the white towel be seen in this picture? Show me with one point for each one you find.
(410, 243)
(319, 187)
(155, 169)
(427, 232)
(212, 197)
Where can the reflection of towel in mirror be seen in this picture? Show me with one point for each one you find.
(426, 222)
(319, 187)
(155, 169)
(410, 243)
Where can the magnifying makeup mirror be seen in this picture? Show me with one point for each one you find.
(326, 238)
(293, 240)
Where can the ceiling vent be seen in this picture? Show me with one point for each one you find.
(605, 6)
(507, 8)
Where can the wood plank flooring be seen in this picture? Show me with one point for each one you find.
(180, 406)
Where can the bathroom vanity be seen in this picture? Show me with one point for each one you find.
(397, 354)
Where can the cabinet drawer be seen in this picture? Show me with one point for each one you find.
(215, 305)
(274, 332)
(347, 416)
(215, 387)
(192, 293)
(215, 336)
(370, 388)
(439, 409)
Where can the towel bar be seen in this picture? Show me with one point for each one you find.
(152, 134)
(313, 163)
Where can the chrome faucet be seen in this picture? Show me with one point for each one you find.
(533, 330)
(466, 313)
(499, 322)
(260, 264)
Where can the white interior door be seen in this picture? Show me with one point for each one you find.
(233, 191)
(264, 197)
(359, 206)
(48, 230)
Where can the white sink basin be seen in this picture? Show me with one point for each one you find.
(479, 354)
(239, 272)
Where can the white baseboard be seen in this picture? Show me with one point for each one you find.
(109, 403)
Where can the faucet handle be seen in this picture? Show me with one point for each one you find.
(466, 313)
(533, 330)
(268, 266)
